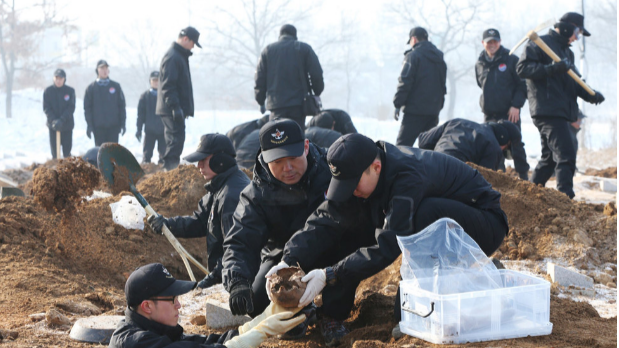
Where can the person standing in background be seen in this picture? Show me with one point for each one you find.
(59, 105)
(153, 127)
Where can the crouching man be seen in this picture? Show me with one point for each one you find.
(151, 317)
(396, 191)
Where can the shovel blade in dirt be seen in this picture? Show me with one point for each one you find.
(118, 166)
(11, 191)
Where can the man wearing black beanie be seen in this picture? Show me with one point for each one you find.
(213, 218)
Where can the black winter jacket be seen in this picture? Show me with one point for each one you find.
(269, 213)
(501, 86)
(278, 80)
(322, 137)
(175, 87)
(343, 122)
(248, 150)
(239, 132)
(421, 85)
(146, 114)
(550, 96)
(136, 331)
(213, 218)
(59, 103)
(465, 140)
(104, 106)
(408, 176)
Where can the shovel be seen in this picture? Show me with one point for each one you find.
(121, 171)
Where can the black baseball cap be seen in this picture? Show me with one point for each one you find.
(211, 144)
(576, 19)
(281, 138)
(323, 120)
(60, 73)
(102, 62)
(153, 280)
(348, 157)
(192, 34)
(491, 34)
(154, 75)
(417, 32)
(505, 131)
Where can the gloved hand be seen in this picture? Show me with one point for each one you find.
(270, 273)
(208, 281)
(241, 298)
(138, 135)
(57, 124)
(269, 327)
(396, 115)
(272, 309)
(316, 281)
(178, 114)
(263, 109)
(123, 129)
(560, 67)
(598, 98)
(156, 223)
(89, 132)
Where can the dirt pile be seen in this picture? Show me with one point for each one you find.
(610, 172)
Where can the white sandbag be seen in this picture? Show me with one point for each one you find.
(128, 213)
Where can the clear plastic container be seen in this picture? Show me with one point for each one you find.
(520, 308)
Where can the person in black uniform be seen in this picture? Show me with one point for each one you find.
(320, 130)
(278, 76)
(153, 127)
(343, 122)
(239, 132)
(395, 191)
(213, 218)
(59, 105)
(104, 107)
(552, 97)
(152, 314)
(290, 179)
(248, 149)
(175, 96)
(421, 87)
(503, 91)
(468, 141)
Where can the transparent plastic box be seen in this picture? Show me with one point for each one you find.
(520, 308)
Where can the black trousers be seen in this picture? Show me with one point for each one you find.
(558, 154)
(413, 125)
(66, 142)
(106, 135)
(174, 133)
(519, 155)
(149, 145)
(294, 113)
(487, 228)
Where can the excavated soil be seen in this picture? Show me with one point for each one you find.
(610, 172)
(76, 264)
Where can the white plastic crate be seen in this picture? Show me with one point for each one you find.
(520, 308)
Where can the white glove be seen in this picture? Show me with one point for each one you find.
(274, 325)
(270, 273)
(272, 309)
(316, 281)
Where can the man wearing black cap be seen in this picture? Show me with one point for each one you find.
(421, 87)
(320, 130)
(343, 122)
(175, 96)
(282, 76)
(552, 97)
(152, 314)
(153, 127)
(290, 179)
(104, 107)
(483, 144)
(59, 105)
(213, 218)
(503, 91)
(385, 191)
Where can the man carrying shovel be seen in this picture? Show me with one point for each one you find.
(213, 218)
(59, 105)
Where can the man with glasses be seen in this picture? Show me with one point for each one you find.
(152, 314)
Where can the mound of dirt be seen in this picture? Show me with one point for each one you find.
(610, 172)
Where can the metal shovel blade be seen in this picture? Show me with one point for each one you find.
(114, 157)
(11, 191)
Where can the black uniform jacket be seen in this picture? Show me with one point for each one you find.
(248, 150)
(343, 122)
(104, 106)
(146, 114)
(408, 176)
(465, 140)
(278, 75)
(421, 84)
(175, 87)
(59, 103)
(501, 86)
(550, 96)
(239, 132)
(136, 331)
(213, 218)
(269, 213)
(322, 137)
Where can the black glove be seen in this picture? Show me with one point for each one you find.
(241, 298)
(57, 124)
(598, 98)
(123, 130)
(263, 109)
(396, 115)
(156, 223)
(178, 114)
(208, 281)
(89, 132)
(138, 135)
(560, 67)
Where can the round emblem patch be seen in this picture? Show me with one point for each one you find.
(502, 67)
(66, 97)
(112, 90)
